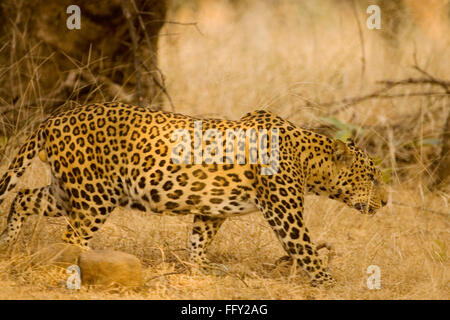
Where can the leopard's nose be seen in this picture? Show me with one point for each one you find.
(383, 202)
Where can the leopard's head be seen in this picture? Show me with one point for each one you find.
(356, 180)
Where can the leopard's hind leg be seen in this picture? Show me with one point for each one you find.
(84, 222)
(89, 210)
(203, 232)
(26, 203)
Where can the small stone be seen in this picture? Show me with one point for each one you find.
(106, 267)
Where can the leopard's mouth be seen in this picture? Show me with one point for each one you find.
(364, 208)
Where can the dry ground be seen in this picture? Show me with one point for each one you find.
(276, 58)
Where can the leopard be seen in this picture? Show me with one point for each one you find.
(107, 155)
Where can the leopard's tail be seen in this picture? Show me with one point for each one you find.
(30, 149)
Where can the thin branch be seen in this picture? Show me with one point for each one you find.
(421, 208)
(137, 57)
(412, 94)
(388, 85)
(162, 84)
(347, 102)
(193, 24)
(162, 87)
(361, 40)
(432, 81)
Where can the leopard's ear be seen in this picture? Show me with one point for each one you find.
(350, 142)
(342, 156)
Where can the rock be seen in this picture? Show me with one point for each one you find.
(106, 267)
(60, 254)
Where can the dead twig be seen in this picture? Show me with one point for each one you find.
(135, 47)
(361, 40)
(388, 85)
(444, 84)
(347, 102)
(162, 84)
(193, 24)
(412, 94)
(421, 208)
(162, 87)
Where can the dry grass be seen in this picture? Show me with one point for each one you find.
(277, 58)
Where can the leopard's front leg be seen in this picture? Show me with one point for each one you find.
(295, 239)
(282, 207)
